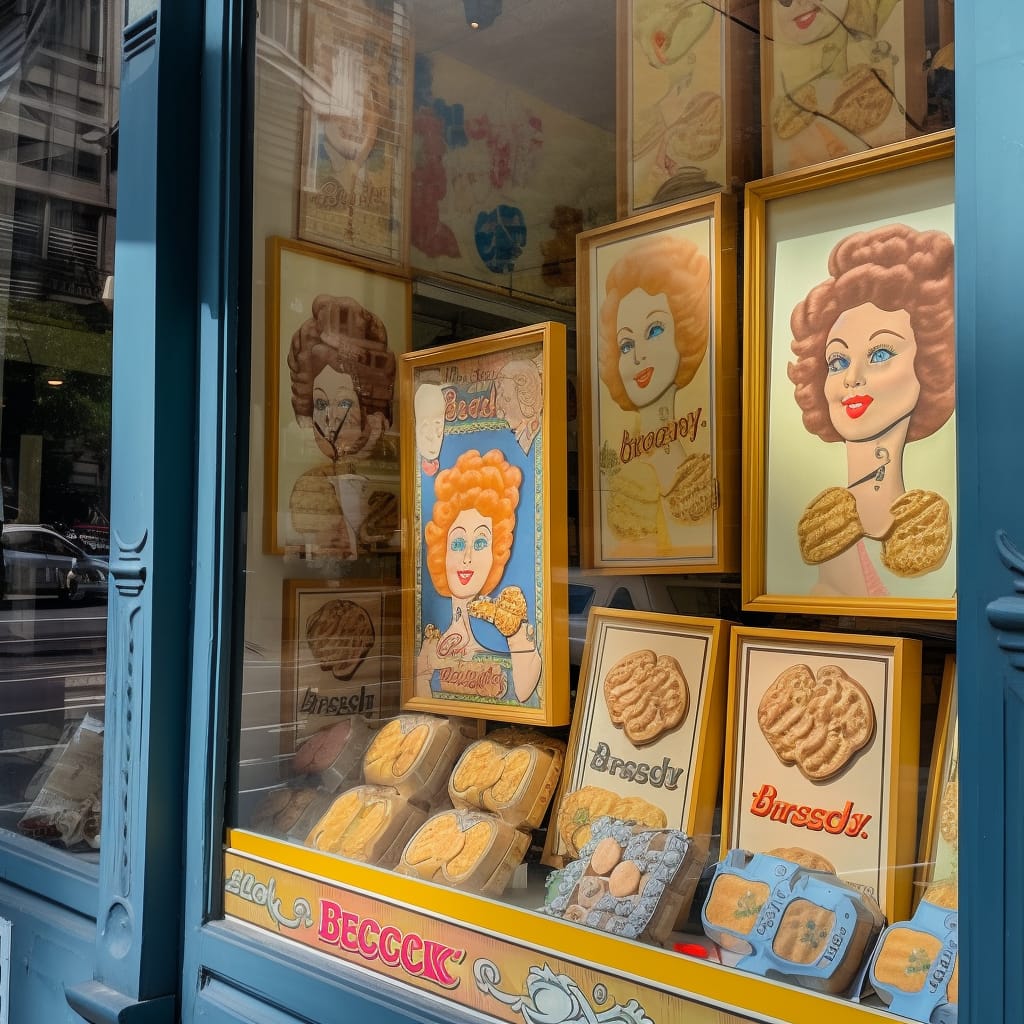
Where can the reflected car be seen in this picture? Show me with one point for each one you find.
(40, 563)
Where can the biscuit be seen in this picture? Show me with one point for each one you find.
(624, 879)
(395, 748)
(340, 633)
(633, 498)
(817, 722)
(794, 112)
(691, 498)
(921, 534)
(829, 525)
(942, 894)
(905, 958)
(581, 808)
(805, 858)
(646, 695)
(479, 768)
(803, 932)
(865, 100)
(606, 856)
(949, 814)
(507, 612)
(734, 902)
(590, 889)
(697, 135)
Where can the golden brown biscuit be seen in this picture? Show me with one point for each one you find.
(340, 633)
(646, 695)
(829, 525)
(803, 932)
(805, 858)
(795, 111)
(395, 748)
(816, 722)
(697, 135)
(905, 958)
(514, 769)
(865, 100)
(921, 534)
(624, 879)
(734, 903)
(479, 768)
(606, 856)
(476, 839)
(584, 806)
(507, 612)
(691, 498)
(942, 894)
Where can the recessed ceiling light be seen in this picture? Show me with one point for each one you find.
(481, 13)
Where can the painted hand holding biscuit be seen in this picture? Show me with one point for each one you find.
(816, 721)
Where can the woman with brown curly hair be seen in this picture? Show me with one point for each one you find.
(654, 330)
(875, 369)
(469, 542)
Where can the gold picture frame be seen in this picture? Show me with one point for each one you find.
(821, 537)
(675, 772)
(335, 326)
(340, 652)
(688, 120)
(659, 448)
(357, 128)
(484, 528)
(857, 809)
(940, 831)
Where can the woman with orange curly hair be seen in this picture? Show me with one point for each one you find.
(875, 370)
(654, 329)
(469, 542)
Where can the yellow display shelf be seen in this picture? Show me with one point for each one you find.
(722, 988)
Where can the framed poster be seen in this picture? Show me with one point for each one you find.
(484, 534)
(849, 387)
(839, 77)
(659, 427)
(646, 738)
(821, 753)
(940, 835)
(357, 127)
(334, 328)
(340, 652)
(688, 117)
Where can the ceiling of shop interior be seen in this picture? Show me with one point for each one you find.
(561, 51)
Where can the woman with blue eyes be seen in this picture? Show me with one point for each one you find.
(654, 329)
(875, 370)
(468, 543)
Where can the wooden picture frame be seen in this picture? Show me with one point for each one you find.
(320, 365)
(807, 796)
(484, 528)
(861, 385)
(357, 128)
(938, 855)
(688, 120)
(837, 83)
(659, 450)
(340, 652)
(677, 770)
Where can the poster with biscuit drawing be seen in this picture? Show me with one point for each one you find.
(656, 452)
(843, 76)
(331, 477)
(690, 127)
(484, 514)
(340, 653)
(647, 727)
(822, 750)
(850, 387)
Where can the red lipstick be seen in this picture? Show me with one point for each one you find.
(857, 405)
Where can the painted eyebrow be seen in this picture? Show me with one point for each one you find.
(838, 341)
(482, 526)
(885, 330)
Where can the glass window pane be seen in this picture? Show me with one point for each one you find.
(55, 381)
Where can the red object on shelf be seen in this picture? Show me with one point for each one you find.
(691, 949)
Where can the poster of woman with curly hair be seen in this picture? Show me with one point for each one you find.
(484, 508)
(860, 455)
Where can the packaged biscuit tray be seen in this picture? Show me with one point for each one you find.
(915, 966)
(791, 922)
(629, 880)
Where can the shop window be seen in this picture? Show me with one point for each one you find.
(482, 543)
(55, 383)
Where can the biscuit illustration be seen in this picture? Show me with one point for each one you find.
(633, 498)
(829, 525)
(794, 112)
(805, 858)
(865, 100)
(817, 722)
(921, 534)
(691, 498)
(647, 695)
(507, 611)
(905, 958)
(340, 633)
(584, 806)
(803, 932)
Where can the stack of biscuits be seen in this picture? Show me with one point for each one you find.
(500, 790)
